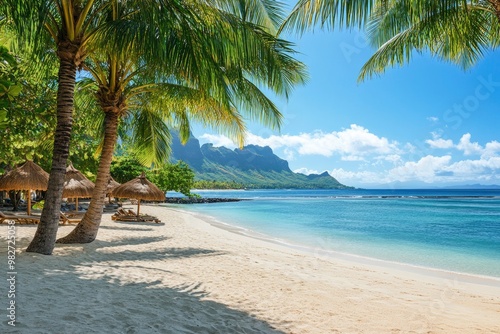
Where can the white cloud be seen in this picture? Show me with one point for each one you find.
(440, 143)
(433, 119)
(352, 158)
(352, 144)
(491, 149)
(289, 154)
(218, 140)
(357, 178)
(429, 169)
(306, 171)
(394, 158)
(425, 169)
(468, 147)
(473, 168)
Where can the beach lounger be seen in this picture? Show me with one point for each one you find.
(131, 216)
(119, 213)
(20, 219)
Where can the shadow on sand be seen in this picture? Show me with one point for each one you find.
(79, 292)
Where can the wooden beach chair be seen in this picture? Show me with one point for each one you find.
(131, 216)
(120, 213)
(20, 219)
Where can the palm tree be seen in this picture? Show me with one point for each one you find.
(235, 56)
(65, 28)
(454, 30)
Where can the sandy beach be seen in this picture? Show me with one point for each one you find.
(186, 275)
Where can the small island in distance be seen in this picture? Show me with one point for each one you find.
(253, 167)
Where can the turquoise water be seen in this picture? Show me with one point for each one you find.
(453, 230)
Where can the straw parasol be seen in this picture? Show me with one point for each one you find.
(139, 188)
(112, 184)
(76, 185)
(28, 177)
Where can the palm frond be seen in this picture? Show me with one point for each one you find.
(268, 14)
(28, 18)
(328, 14)
(456, 31)
(179, 105)
(151, 137)
(257, 105)
(198, 45)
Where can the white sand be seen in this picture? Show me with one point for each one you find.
(187, 276)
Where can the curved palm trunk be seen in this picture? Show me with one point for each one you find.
(86, 230)
(44, 240)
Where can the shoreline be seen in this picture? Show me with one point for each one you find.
(201, 200)
(436, 273)
(187, 276)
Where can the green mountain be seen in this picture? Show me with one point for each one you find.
(253, 166)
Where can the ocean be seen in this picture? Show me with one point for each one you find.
(449, 230)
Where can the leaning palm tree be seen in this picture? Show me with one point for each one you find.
(234, 56)
(459, 31)
(138, 106)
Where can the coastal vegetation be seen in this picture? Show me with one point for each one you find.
(168, 177)
(261, 179)
(215, 184)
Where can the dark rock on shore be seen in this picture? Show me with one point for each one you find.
(195, 200)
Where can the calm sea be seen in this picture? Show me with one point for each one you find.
(452, 230)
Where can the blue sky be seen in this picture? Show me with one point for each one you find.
(427, 124)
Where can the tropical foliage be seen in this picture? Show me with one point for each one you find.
(459, 31)
(174, 177)
(125, 168)
(216, 184)
(26, 113)
(9, 84)
(30, 120)
(29, 125)
(177, 177)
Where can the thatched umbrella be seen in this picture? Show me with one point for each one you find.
(112, 184)
(139, 188)
(76, 185)
(28, 177)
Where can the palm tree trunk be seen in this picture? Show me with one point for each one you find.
(86, 230)
(44, 240)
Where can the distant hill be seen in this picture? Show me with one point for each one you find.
(253, 166)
